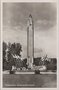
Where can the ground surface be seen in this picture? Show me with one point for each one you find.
(32, 80)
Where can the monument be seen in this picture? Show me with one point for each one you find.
(30, 42)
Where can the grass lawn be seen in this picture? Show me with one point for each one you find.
(31, 80)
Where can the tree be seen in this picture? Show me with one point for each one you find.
(14, 52)
(24, 62)
(16, 48)
(4, 53)
(18, 63)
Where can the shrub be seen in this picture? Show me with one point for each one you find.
(12, 72)
(37, 71)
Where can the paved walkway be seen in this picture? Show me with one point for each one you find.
(48, 72)
(7, 72)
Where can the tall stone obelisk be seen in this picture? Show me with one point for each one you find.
(30, 42)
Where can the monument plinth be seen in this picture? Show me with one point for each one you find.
(30, 42)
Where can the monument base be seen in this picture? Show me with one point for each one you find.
(25, 72)
(30, 66)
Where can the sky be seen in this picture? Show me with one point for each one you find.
(15, 17)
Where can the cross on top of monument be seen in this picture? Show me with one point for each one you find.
(30, 20)
(30, 15)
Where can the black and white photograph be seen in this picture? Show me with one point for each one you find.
(29, 45)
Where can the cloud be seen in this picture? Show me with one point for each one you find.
(44, 24)
(47, 40)
(43, 13)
